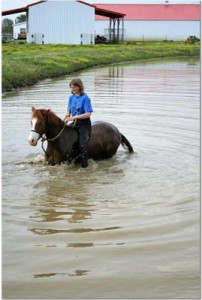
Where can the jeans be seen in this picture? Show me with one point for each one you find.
(84, 133)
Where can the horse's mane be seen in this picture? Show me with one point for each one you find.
(53, 118)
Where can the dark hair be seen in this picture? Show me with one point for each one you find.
(79, 83)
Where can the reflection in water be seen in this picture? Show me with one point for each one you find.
(80, 245)
(116, 71)
(62, 203)
(77, 230)
(59, 201)
(68, 198)
(130, 224)
(75, 273)
(79, 273)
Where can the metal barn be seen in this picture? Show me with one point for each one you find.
(66, 22)
(61, 22)
(154, 21)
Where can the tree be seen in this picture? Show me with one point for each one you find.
(7, 26)
(20, 19)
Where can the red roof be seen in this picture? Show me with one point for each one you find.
(20, 9)
(104, 12)
(187, 12)
(98, 11)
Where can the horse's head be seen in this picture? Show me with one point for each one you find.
(38, 125)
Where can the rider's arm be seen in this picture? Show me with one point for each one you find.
(82, 116)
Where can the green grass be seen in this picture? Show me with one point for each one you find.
(25, 64)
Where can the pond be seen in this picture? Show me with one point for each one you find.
(128, 227)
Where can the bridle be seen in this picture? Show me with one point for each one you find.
(44, 138)
(54, 138)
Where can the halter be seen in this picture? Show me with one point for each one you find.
(44, 138)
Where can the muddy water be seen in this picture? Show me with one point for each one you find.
(123, 228)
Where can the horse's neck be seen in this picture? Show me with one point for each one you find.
(54, 129)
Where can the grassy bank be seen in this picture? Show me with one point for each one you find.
(26, 64)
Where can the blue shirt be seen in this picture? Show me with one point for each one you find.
(78, 105)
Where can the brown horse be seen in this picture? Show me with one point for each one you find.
(63, 139)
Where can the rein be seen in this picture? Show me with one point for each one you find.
(44, 138)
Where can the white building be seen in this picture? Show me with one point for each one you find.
(61, 22)
(64, 22)
(78, 22)
(154, 21)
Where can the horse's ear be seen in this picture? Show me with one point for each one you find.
(46, 114)
(33, 109)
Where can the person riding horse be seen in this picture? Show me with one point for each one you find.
(62, 141)
(79, 110)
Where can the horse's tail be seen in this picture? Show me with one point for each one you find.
(126, 144)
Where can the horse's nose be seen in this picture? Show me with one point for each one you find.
(33, 138)
(32, 141)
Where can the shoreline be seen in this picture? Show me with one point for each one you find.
(25, 65)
